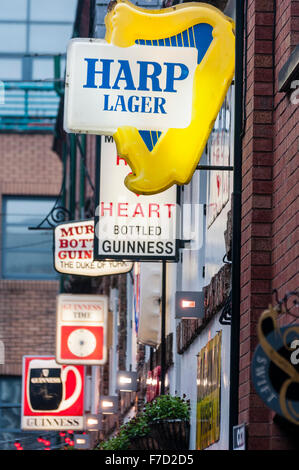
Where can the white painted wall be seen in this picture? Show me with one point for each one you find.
(188, 380)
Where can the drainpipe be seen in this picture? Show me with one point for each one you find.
(236, 235)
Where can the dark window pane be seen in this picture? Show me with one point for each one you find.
(10, 390)
(10, 418)
(26, 254)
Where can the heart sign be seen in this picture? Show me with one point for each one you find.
(161, 159)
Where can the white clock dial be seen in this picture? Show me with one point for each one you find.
(81, 342)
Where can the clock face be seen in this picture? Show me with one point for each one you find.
(81, 342)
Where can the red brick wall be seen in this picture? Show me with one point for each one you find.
(269, 177)
(27, 308)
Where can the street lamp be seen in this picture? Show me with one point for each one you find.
(108, 405)
(82, 441)
(126, 381)
(189, 304)
(93, 422)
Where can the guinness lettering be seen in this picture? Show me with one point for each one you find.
(51, 380)
(54, 423)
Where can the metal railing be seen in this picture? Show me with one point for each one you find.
(28, 106)
(31, 105)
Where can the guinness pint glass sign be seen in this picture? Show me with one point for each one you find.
(52, 395)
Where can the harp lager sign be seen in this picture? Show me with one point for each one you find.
(156, 84)
(127, 87)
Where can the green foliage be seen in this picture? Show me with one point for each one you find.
(136, 427)
(118, 442)
(167, 407)
(162, 407)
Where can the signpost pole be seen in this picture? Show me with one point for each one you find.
(235, 322)
(163, 335)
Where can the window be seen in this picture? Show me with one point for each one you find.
(10, 410)
(45, 39)
(26, 254)
(34, 27)
(10, 419)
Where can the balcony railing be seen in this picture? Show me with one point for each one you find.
(28, 106)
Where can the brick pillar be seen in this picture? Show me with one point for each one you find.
(269, 176)
(256, 223)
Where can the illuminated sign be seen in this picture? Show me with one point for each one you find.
(219, 154)
(153, 384)
(275, 366)
(208, 393)
(157, 87)
(81, 329)
(128, 226)
(138, 86)
(52, 395)
(73, 252)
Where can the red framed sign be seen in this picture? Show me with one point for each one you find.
(81, 329)
(52, 395)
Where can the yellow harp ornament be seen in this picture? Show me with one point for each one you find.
(174, 154)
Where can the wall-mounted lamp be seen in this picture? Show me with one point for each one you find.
(93, 422)
(126, 381)
(189, 305)
(108, 405)
(82, 441)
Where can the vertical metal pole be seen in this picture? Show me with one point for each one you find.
(63, 198)
(163, 329)
(73, 172)
(236, 237)
(82, 176)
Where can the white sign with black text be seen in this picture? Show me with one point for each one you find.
(73, 252)
(127, 225)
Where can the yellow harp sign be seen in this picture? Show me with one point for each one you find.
(173, 158)
(160, 159)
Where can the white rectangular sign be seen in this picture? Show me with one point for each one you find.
(81, 329)
(128, 225)
(107, 87)
(73, 252)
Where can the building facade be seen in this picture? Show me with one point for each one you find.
(30, 182)
(237, 244)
